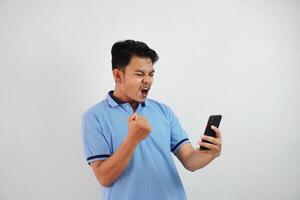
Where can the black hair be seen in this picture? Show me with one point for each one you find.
(122, 52)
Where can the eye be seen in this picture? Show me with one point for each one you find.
(151, 74)
(139, 74)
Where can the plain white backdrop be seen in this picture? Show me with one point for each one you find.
(237, 58)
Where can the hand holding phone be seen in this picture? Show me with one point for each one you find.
(213, 120)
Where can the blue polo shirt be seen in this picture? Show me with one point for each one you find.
(151, 172)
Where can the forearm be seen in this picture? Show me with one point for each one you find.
(198, 159)
(112, 168)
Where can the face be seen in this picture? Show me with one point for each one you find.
(135, 82)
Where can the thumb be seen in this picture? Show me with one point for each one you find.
(133, 117)
(217, 131)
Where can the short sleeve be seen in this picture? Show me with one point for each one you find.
(95, 144)
(178, 135)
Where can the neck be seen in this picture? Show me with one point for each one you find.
(122, 97)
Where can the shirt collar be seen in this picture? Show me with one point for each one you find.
(114, 101)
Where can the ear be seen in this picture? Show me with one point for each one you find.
(117, 73)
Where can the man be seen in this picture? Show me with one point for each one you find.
(128, 139)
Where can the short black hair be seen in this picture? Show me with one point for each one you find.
(122, 52)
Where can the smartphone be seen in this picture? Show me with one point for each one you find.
(212, 120)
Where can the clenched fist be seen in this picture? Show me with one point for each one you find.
(138, 128)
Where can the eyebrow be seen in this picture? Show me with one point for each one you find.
(143, 71)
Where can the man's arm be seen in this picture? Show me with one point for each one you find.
(109, 170)
(194, 159)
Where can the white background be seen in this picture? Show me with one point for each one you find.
(237, 58)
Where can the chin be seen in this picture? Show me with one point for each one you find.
(140, 100)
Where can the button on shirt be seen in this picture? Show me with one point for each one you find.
(151, 172)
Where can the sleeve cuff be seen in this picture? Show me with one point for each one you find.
(179, 144)
(97, 157)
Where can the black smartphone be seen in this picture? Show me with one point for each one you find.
(212, 120)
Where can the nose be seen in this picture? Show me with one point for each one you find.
(147, 80)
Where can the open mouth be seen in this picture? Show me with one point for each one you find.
(145, 91)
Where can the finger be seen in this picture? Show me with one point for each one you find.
(134, 117)
(130, 118)
(211, 139)
(217, 131)
(201, 141)
(210, 146)
(208, 138)
(144, 119)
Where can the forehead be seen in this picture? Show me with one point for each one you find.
(140, 63)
